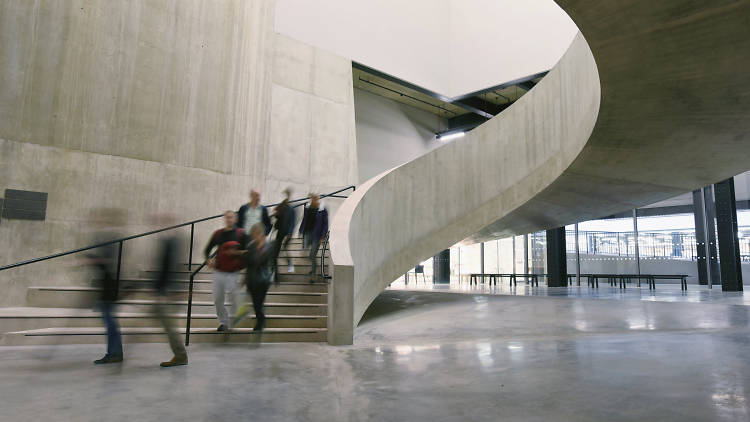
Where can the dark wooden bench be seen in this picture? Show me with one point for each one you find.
(624, 279)
(681, 277)
(512, 278)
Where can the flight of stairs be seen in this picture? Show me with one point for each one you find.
(296, 310)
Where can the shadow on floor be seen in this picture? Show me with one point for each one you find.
(390, 303)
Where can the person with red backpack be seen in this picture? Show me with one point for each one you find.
(227, 266)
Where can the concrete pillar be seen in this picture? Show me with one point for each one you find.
(481, 258)
(700, 237)
(637, 243)
(709, 211)
(729, 245)
(525, 254)
(557, 267)
(578, 260)
(441, 267)
(341, 306)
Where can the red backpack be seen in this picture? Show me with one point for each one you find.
(226, 262)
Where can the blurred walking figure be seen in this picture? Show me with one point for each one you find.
(104, 262)
(258, 275)
(227, 266)
(167, 252)
(313, 227)
(285, 221)
(253, 213)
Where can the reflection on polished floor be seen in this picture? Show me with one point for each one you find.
(665, 292)
(422, 356)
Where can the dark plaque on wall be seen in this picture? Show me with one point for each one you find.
(24, 205)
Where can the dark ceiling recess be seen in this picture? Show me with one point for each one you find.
(464, 112)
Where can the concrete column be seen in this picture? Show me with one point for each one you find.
(637, 246)
(700, 237)
(525, 254)
(709, 213)
(578, 260)
(729, 245)
(441, 267)
(481, 258)
(557, 267)
(341, 306)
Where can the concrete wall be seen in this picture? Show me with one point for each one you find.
(312, 145)
(155, 106)
(390, 134)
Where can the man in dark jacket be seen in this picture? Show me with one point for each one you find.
(257, 258)
(285, 221)
(170, 246)
(253, 213)
(104, 262)
(313, 229)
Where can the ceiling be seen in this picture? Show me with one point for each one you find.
(464, 112)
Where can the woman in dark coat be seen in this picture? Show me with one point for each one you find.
(258, 256)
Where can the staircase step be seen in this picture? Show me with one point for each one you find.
(206, 275)
(301, 253)
(207, 306)
(29, 318)
(59, 297)
(92, 335)
(285, 286)
(297, 261)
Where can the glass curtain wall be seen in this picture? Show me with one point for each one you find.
(666, 245)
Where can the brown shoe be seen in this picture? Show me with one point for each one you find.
(174, 362)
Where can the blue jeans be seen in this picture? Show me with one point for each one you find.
(114, 340)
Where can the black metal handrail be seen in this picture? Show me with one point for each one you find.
(323, 257)
(135, 236)
(121, 241)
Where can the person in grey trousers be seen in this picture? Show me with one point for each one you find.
(226, 267)
(168, 250)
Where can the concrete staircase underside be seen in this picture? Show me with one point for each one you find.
(296, 310)
(647, 106)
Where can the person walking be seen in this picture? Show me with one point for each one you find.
(167, 251)
(313, 227)
(104, 262)
(226, 267)
(285, 222)
(257, 258)
(253, 213)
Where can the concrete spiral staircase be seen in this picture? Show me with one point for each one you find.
(297, 310)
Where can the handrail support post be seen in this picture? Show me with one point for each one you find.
(119, 261)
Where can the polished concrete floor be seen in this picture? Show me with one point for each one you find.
(664, 292)
(422, 356)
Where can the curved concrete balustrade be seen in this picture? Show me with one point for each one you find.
(407, 214)
(673, 117)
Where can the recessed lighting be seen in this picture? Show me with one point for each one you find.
(449, 136)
